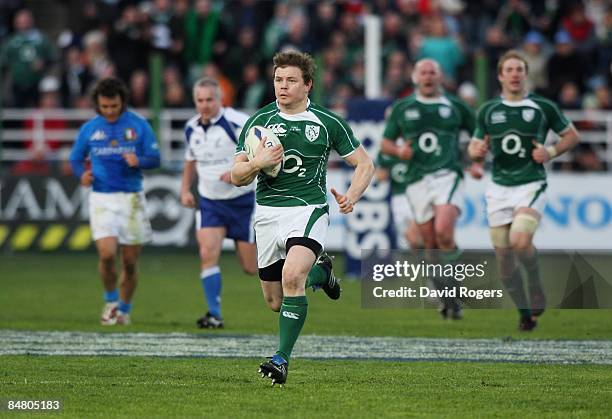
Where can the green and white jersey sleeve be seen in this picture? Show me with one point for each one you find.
(513, 127)
(432, 125)
(307, 140)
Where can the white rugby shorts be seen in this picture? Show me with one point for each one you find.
(503, 201)
(438, 188)
(120, 214)
(275, 225)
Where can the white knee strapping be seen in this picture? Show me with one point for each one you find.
(524, 223)
(500, 236)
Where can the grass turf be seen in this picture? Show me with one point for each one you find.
(161, 387)
(63, 292)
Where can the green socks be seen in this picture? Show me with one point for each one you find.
(290, 321)
(316, 276)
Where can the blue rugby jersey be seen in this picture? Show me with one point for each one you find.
(105, 143)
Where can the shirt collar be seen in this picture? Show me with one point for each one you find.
(213, 120)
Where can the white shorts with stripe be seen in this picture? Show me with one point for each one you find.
(120, 214)
(275, 225)
(503, 201)
(438, 188)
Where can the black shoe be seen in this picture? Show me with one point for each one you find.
(208, 321)
(332, 287)
(527, 324)
(275, 368)
(538, 302)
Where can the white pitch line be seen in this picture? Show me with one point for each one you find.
(309, 346)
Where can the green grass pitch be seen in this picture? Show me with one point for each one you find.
(62, 292)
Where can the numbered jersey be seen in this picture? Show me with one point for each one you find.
(307, 140)
(397, 172)
(512, 128)
(433, 127)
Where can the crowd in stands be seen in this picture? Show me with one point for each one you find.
(568, 44)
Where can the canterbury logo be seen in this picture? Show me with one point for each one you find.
(278, 129)
(290, 315)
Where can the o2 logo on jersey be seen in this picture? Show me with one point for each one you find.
(293, 168)
(398, 172)
(511, 144)
(278, 129)
(428, 143)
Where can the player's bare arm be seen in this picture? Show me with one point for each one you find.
(569, 139)
(364, 171)
(403, 152)
(244, 171)
(187, 198)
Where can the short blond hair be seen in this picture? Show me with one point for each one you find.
(511, 54)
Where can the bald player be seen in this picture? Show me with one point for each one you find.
(423, 130)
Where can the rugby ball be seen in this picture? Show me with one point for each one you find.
(252, 140)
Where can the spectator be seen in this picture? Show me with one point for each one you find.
(469, 94)
(228, 90)
(76, 77)
(95, 54)
(129, 32)
(42, 146)
(581, 29)
(139, 89)
(276, 29)
(536, 59)
(569, 96)
(26, 54)
(439, 46)
(246, 51)
(324, 22)
(515, 20)
(298, 36)
(205, 37)
(565, 65)
(252, 89)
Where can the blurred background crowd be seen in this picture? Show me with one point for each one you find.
(52, 52)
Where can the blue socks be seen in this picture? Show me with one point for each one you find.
(211, 283)
(111, 296)
(124, 307)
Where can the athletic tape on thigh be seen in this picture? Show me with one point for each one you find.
(500, 236)
(524, 223)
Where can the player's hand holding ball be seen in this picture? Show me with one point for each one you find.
(265, 150)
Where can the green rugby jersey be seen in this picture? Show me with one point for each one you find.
(433, 125)
(397, 172)
(512, 127)
(307, 139)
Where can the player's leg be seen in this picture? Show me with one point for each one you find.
(413, 235)
(523, 228)
(445, 219)
(247, 256)
(107, 251)
(128, 282)
(295, 305)
(210, 240)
